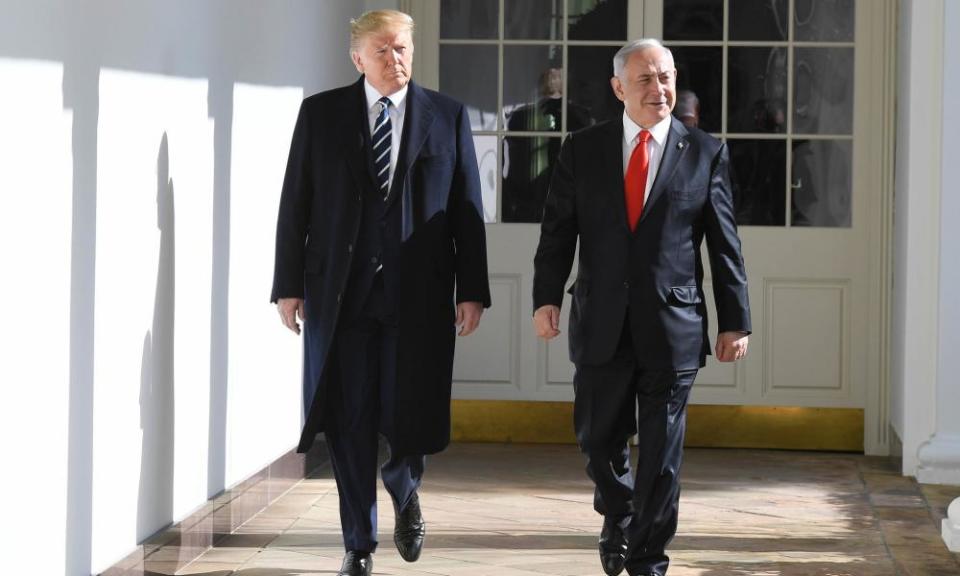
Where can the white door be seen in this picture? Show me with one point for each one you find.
(798, 90)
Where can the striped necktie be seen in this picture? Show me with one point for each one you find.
(382, 133)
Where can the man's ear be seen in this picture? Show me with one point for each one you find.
(617, 88)
(355, 56)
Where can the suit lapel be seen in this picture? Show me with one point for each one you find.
(612, 156)
(673, 149)
(356, 129)
(418, 118)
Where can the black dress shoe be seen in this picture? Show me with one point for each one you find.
(613, 546)
(356, 563)
(409, 529)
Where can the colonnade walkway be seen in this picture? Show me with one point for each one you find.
(526, 510)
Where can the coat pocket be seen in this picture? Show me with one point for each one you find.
(684, 296)
(688, 194)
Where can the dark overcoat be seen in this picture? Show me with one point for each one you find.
(442, 255)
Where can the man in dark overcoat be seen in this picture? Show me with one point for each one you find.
(381, 252)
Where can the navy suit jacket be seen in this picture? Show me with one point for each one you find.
(654, 275)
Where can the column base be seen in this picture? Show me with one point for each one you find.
(939, 460)
(951, 526)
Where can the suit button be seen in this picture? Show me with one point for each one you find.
(626, 285)
(339, 297)
(373, 260)
(349, 248)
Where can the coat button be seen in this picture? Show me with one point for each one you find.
(339, 297)
(349, 248)
(373, 260)
(626, 285)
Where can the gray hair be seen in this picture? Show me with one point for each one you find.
(620, 58)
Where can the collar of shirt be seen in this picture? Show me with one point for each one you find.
(373, 96)
(658, 131)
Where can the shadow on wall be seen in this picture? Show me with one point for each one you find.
(155, 500)
(225, 42)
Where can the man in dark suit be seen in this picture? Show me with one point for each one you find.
(381, 252)
(640, 194)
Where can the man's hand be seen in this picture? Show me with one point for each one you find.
(546, 321)
(731, 346)
(290, 309)
(468, 316)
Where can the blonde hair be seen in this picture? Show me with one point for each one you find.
(377, 21)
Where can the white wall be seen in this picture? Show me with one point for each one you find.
(141, 156)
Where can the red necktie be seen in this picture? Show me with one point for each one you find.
(635, 182)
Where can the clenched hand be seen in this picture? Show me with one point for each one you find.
(290, 309)
(546, 321)
(731, 346)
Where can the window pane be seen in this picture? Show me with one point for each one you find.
(469, 19)
(823, 94)
(757, 97)
(759, 20)
(486, 149)
(821, 183)
(692, 20)
(527, 166)
(533, 19)
(474, 85)
(597, 19)
(823, 20)
(758, 174)
(699, 86)
(591, 98)
(533, 87)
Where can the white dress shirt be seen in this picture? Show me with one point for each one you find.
(397, 112)
(658, 139)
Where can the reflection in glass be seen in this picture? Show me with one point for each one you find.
(692, 20)
(469, 18)
(823, 93)
(590, 97)
(527, 167)
(765, 20)
(699, 86)
(758, 175)
(757, 96)
(821, 183)
(486, 149)
(474, 84)
(823, 20)
(597, 19)
(533, 87)
(533, 20)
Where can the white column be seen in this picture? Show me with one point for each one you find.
(939, 457)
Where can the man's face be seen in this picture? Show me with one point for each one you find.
(386, 58)
(648, 88)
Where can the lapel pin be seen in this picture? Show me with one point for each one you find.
(681, 145)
